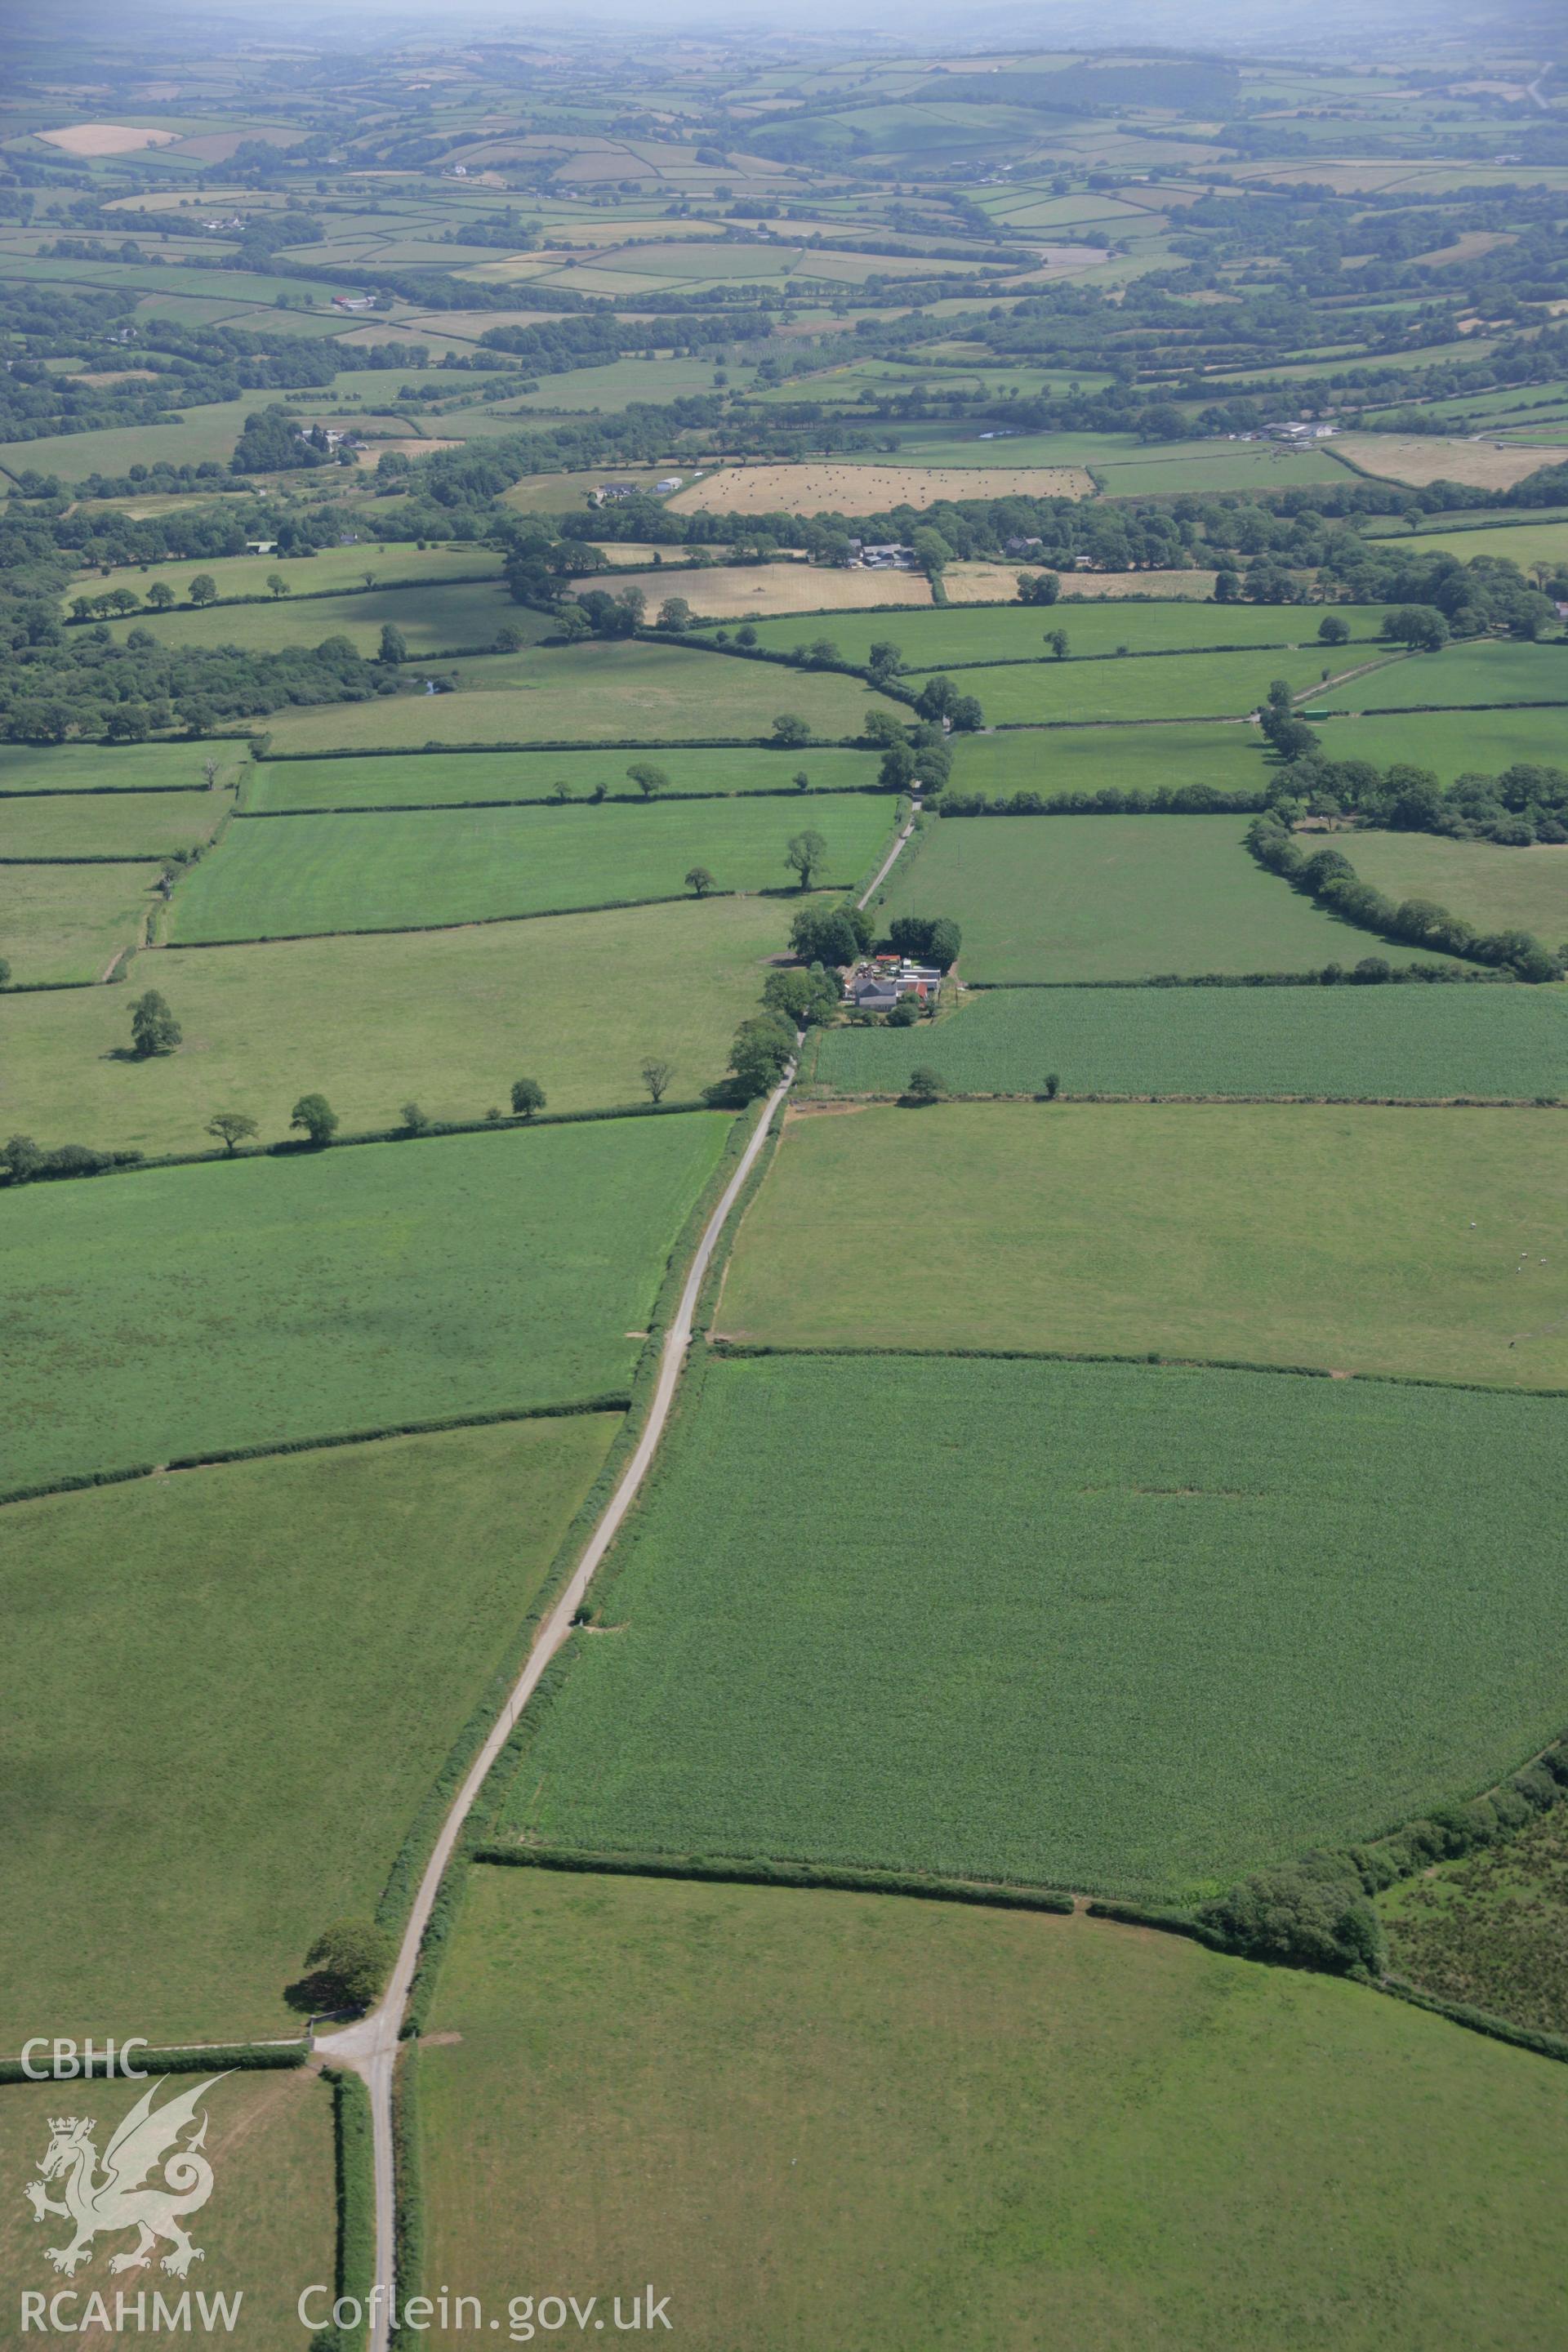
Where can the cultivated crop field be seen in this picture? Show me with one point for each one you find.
(1419, 460)
(1111, 898)
(446, 1018)
(1166, 685)
(598, 692)
(1028, 1639)
(1223, 2120)
(997, 584)
(1488, 672)
(1147, 758)
(69, 922)
(190, 1899)
(1496, 888)
(266, 2233)
(374, 1287)
(740, 592)
(272, 879)
(431, 778)
(1426, 1243)
(846, 489)
(1382, 1043)
(939, 640)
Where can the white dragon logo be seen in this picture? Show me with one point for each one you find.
(125, 2198)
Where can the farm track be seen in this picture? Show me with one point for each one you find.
(369, 2047)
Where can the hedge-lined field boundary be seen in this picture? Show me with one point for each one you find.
(538, 800)
(82, 1482)
(576, 744)
(734, 1871)
(222, 2057)
(470, 922)
(1399, 976)
(294, 596)
(1152, 1359)
(353, 2268)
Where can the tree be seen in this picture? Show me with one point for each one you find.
(805, 853)
(316, 1118)
(203, 589)
(1227, 587)
(349, 1963)
(904, 1014)
(154, 1028)
(5, 971)
(231, 1127)
(699, 881)
(937, 697)
(1161, 422)
(791, 732)
(675, 614)
(1053, 1086)
(762, 1049)
(1418, 626)
(210, 767)
(160, 596)
(23, 1159)
(414, 1121)
(884, 660)
(1309, 1914)
(393, 645)
(276, 584)
(656, 1078)
(1332, 631)
(965, 715)
(650, 780)
(925, 1085)
(829, 935)
(1058, 640)
(527, 1096)
(1039, 587)
(802, 997)
(926, 938)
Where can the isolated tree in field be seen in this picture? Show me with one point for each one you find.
(203, 589)
(393, 645)
(160, 596)
(349, 1962)
(527, 1096)
(649, 780)
(925, 1085)
(790, 730)
(1332, 631)
(154, 1028)
(656, 1078)
(805, 854)
(1058, 640)
(231, 1127)
(802, 780)
(210, 767)
(315, 1118)
(1053, 1086)
(413, 1119)
(699, 881)
(369, 579)
(276, 584)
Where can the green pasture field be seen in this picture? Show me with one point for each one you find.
(333, 568)
(1162, 686)
(567, 493)
(444, 777)
(437, 619)
(1450, 742)
(1028, 1638)
(1491, 671)
(141, 825)
(1429, 1043)
(615, 387)
(1149, 758)
(1499, 890)
(608, 689)
(959, 634)
(268, 2232)
(68, 922)
(277, 879)
(1487, 1931)
(198, 434)
(1204, 467)
(831, 2077)
(192, 1899)
(936, 444)
(1102, 897)
(1426, 1243)
(187, 1309)
(1521, 542)
(447, 1019)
